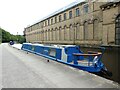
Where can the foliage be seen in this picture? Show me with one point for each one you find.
(0, 36)
(7, 37)
(20, 38)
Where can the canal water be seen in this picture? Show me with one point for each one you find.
(111, 59)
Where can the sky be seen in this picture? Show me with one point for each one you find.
(15, 15)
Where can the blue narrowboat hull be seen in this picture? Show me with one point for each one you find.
(57, 56)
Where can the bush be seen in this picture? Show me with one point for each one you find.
(7, 37)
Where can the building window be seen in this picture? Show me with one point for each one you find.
(70, 14)
(86, 30)
(55, 19)
(48, 22)
(60, 33)
(64, 16)
(71, 33)
(45, 23)
(45, 35)
(65, 32)
(77, 32)
(52, 34)
(77, 12)
(86, 8)
(56, 34)
(60, 18)
(95, 30)
(51, 21)
(48, 34)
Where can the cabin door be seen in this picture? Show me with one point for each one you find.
(117, 30)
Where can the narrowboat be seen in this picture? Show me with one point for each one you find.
(70, 55)
(11, 42)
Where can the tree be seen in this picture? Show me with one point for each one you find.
(7, 37)
(20, 38)
(0, 35)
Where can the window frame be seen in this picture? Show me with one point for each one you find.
(55, 19)
(48, 22)
(51, 20)
(86, 8)
(70, 14)
(65, 16)
(77, 12)
(45, 23)
(60, 18)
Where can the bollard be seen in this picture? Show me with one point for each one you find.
(47, 60)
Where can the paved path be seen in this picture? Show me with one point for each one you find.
(0, 67)
(22, 70)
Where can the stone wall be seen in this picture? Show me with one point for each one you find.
(97, 26)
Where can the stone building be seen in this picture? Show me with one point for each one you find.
(82, 23)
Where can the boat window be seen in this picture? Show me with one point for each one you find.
(52, 52)
(33, 48)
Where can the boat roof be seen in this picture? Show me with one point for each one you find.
(28, 43)
(53, 46)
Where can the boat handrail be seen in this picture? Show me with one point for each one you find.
(93, 52)
(79, 54)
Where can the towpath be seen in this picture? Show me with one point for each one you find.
(22, 70)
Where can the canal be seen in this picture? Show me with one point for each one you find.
(111, 59)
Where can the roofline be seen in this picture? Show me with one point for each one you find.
(108, 4)
(52, 15)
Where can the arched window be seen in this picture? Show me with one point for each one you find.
(77, 31)
(65, 32)
(60, 32)
(38, 36)
(117, 30)
(48, 34)
(56, 34)
(45, 35)
(52, 34)
(71, 32)
(86, 30)
(42, 35)
(95, 30)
